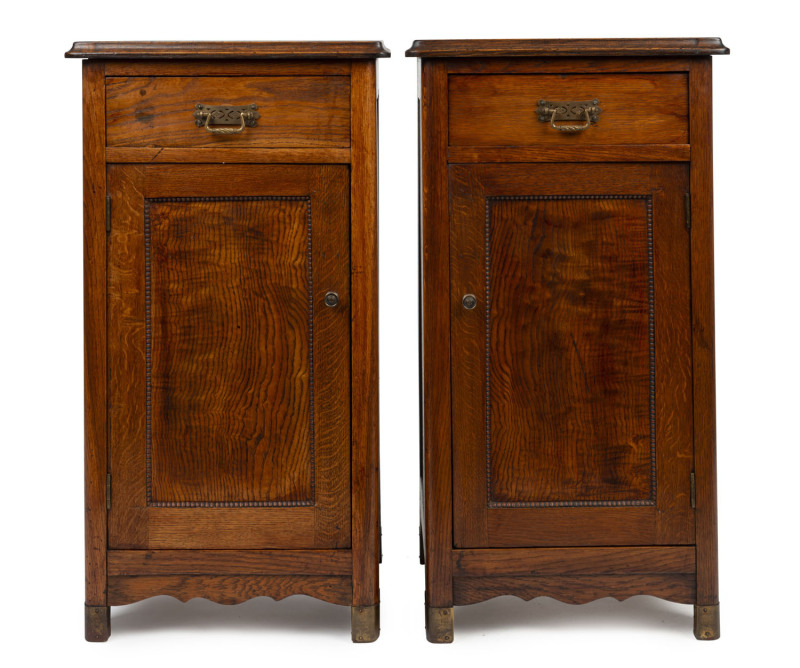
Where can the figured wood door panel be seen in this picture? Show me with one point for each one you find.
(229, 314)
(229, 377)
(572, 375)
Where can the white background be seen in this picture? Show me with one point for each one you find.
(756, 110)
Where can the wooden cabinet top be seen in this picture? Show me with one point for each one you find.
(482, 48)
(238, 50)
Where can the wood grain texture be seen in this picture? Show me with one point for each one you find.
(296, 111)
(574, 561)
(236, 470)
(576, 589)
(229, 339)
(703, 358)
(500, 110)
(127, 413)
(228, 589)
(331, 355)
(582, 153)
(570, 526)
(436, 415)
(270, 528)
(570, 351)
(665, 415)
(237, 180)
(94, 334)
(217, 155)
(365, 491)
(468, 355)
(230, 562)
(565, 65)
(673, 343)
(468, 48)
(192, 50)
(225, 67)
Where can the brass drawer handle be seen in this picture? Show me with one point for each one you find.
(226, 116)
(568, 111)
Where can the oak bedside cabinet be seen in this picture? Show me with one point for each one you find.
(231, 345)
(567, 323)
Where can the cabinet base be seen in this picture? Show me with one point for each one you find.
(98, 622)
(706, 622)
(365, 622)
(439, 624)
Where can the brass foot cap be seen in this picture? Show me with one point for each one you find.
(439, 624)
(706, 622)
(98, 623)
(365, 622)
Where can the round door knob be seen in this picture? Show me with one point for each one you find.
(331, 299)
(469, 301)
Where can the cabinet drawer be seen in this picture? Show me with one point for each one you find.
(294, 111)
(501, 110)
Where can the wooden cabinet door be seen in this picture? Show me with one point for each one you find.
(572, 418)
(229, 375)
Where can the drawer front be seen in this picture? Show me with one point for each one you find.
(294, 111)
(501, 110)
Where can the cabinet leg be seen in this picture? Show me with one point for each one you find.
(365, 622)
(706, 622)
(439, 624)
(98, 623)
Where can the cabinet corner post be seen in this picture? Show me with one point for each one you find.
(435, 295)
(94, 295)
(364, 332)
(702, 261)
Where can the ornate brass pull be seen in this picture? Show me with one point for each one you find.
(550, 112)
(225, 116)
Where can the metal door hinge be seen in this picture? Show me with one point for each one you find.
(108, 213)
(108, 491)
(688, 204)
(693, 493)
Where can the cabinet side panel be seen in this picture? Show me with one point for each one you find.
(437, 460)
(702, 262)
(94, 324)
(364, 333)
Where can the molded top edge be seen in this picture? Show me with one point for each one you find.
(482, 48)
(185, 50)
